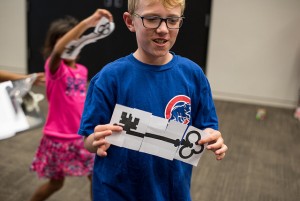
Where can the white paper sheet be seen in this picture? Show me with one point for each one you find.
(103, 29)
(118, 138)
(156, 136)
(11, 120)
(150, 145)
(189, 151)
(134, 139)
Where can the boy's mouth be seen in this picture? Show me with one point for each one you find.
(160, 41)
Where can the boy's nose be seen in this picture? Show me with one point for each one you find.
(163, 26)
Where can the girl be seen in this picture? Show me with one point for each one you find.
(61, 152)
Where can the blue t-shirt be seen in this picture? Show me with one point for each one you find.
(178, 90)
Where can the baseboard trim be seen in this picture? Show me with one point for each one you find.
(254, 100)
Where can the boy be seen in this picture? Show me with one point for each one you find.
(149, 79)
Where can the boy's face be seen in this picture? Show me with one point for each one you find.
(154, 44)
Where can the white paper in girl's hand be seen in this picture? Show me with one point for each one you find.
(103, 29)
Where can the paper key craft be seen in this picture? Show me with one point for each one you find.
(103, 29)
(157, 136)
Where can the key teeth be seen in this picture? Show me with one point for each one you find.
(128, 123)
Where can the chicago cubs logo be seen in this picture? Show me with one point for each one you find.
(179, 109)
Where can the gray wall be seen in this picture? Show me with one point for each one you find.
(254, 51)
(13, 34)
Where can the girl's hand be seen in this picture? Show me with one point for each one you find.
(98, 14)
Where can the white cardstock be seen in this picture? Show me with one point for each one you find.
(157, 136)
(103, 29)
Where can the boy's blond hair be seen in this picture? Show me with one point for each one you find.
(133, 4)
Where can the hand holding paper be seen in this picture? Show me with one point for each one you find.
(156, 136)
(98, 141)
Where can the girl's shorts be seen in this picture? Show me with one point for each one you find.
(56, 159)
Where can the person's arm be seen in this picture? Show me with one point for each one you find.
(75, 33)
(6, 75)
(96, 143)
(215, 143)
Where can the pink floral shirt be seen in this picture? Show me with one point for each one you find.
(66, 92)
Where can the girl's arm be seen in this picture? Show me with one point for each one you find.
(73, 34)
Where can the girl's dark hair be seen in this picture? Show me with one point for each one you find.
(57, 29)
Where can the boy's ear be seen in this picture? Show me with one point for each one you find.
(128, 21)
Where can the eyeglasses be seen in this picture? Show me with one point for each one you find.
(153, 22)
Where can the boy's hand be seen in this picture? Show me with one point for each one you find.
(100, 132)
(215, 143)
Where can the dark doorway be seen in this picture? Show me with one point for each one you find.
(191, 42)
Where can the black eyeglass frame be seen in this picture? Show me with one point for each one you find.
(161, 19)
